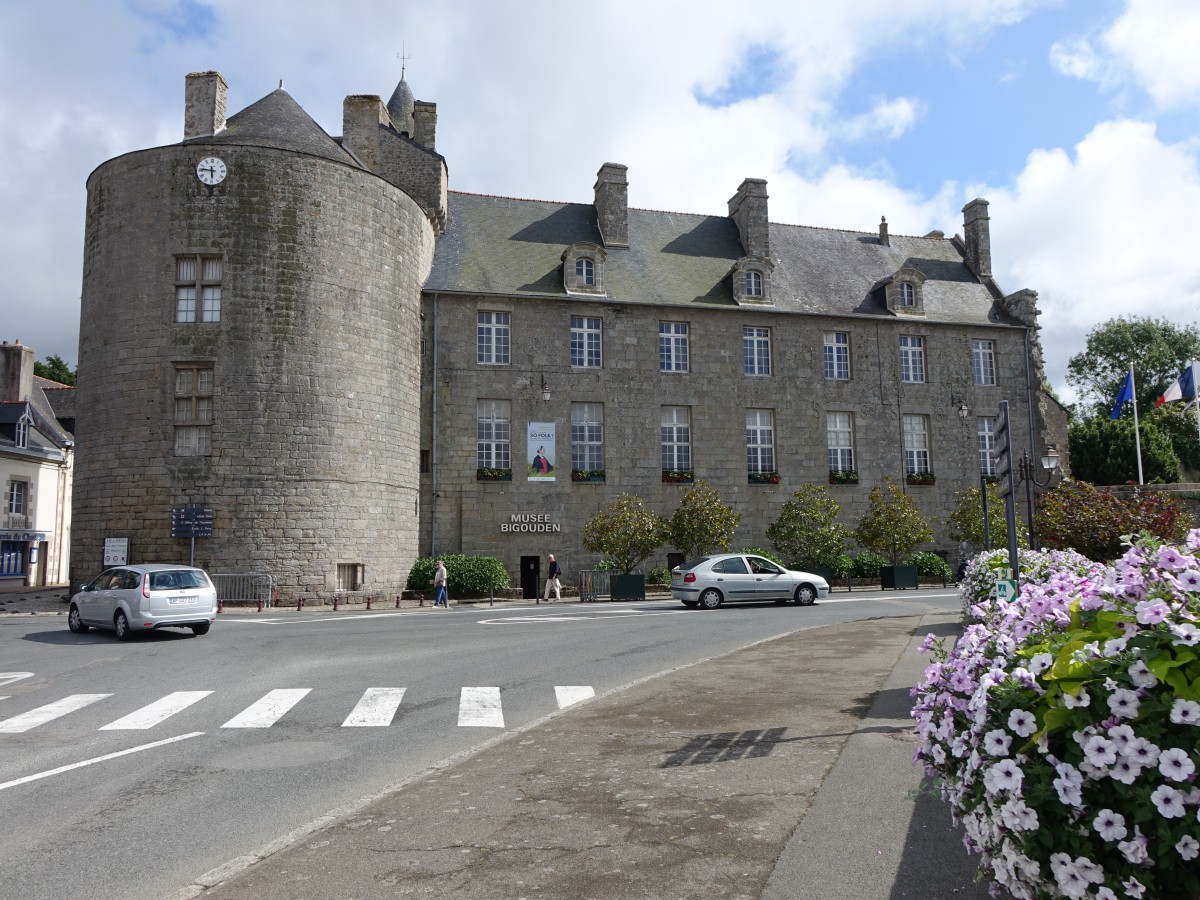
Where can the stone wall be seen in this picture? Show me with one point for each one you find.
(316, 411)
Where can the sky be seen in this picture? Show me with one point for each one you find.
(1076, 119)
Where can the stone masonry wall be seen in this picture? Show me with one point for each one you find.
(316, 366)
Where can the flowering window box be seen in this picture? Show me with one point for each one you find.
(920, 478)
(486, 474)
(678, 476)
(847, 476)
(764, 477)
(592, 476)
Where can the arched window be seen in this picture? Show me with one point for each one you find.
(585, 272)
(754, 284)
(908, 296)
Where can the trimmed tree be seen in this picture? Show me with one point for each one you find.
(702, 523)
(892, 524)
(624, 531)
(966, 522)
(807, 532)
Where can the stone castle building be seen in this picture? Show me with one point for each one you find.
(352, 366)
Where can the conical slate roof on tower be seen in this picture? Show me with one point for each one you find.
(279, 122)
(400, 108)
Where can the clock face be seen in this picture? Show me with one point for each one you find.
(211, 170)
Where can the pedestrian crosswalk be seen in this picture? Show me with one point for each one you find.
(478, 707)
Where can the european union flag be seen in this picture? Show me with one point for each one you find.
(1124, 397)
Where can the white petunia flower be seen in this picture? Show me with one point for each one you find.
(1186, 634)
(1185, 712)
(1017, 816)
(1074, 702)
(1168, 802)
(1176, 765)
(997, 742)
(1134, 850)
(1100, 751)
(1141, 676)
(1124, 771)
(1103, 893)
(1121, 735)
(1124, 703)
(1109, 825)
(1133, 888)
(1188, 847)
(1040, 663)
(1022, 722)
(1141, 753)
(1005, 775)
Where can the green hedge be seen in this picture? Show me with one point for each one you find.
(867, 564)
(930, 565)
(465, 575)
(659, 575)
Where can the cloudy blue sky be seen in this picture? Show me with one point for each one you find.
(1077, 119)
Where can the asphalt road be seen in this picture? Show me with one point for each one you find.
(270, 750)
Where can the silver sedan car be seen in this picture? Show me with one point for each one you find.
(709, 581)
(129, 599)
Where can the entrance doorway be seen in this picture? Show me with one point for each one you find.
(531, 576)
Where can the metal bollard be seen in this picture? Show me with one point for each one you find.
(335, 602)
(299, 603)
(368, 602)
(491, 590)
(260, 604)
(220, 606)
(420, 597)
(398, 600)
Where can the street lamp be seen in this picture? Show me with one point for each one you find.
(545, 390)
(1049, 461)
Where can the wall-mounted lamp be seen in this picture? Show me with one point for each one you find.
(545, 390)
(964, 411)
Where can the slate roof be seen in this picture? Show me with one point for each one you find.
(278, 121)
(511, 247)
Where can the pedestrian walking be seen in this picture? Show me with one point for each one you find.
(553, 572)
(440, 597)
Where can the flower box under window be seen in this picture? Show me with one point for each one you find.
(587, 475)
(764, 478)
(920, 478)
(678, 476)
(846, 476)
(486, 474)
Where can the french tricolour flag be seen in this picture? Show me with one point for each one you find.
(1184, 387)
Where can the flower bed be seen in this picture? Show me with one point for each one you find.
(1065, 726)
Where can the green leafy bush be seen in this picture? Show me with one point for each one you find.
(702, 523)
(1077, 516)
(930, 565)
(465, 575)
(659, 575)
(867, 564)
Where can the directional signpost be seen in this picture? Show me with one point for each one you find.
(1003, 455)
(192, 521)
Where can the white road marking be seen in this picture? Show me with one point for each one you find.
(376, 708)
(98, 759)
(571, 694)
(7, 678)
(158, 711)
(480, 707)
(270, 709)
(49, 712)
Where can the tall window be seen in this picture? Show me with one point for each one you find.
(837, 355)
(198, 288)
(839, 436)
(983, 362)
(585, 342)
(916, 444)
(760, 440)
(676, 439)
(912, 358)
(908, 296)
(756, 350)
(587, 436)
(18, 498)
(585, 271)
(492, 434)
(491, 337)
(986, 429)
(754, 284)
(672, 346)
(193, 410)
(21, 436)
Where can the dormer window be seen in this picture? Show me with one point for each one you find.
(22, 433)
(583, 268)
(752, 281)
(904, 292)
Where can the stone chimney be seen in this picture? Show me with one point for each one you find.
(883, 232)
(425, 124)
(612, 204)
(204, 104)
(977, 238)
(748, 208)
(362, 114)
(16, 372)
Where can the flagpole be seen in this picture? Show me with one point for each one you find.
(1137, 437)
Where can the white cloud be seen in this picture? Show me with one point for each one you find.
(1076, 59)
(1158, 41)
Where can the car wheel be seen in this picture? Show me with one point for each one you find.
(200, 629)
(691, 604)
(74, 622)
(710, 599)
(121, 624)
(806, 595)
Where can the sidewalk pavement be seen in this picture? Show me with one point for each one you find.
(782, 770)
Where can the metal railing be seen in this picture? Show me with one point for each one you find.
(255, 588)
(593, 584)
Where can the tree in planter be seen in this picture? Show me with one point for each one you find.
(966, 522)
(892, 524)
(807, 532)
(702, 523)
(625, 531)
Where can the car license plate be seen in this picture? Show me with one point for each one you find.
(182, 601)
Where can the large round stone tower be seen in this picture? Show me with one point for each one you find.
(250, 343)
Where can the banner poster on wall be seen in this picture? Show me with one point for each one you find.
(540, 456)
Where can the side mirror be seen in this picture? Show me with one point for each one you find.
(83, 587)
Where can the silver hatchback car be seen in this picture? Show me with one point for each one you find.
(129, 599)
(709, 581)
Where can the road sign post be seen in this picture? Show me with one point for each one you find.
(1002, 438)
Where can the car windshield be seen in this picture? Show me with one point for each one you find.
(176, 580)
